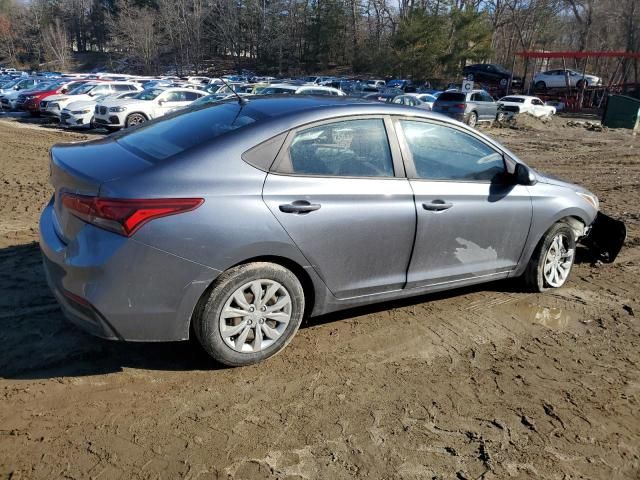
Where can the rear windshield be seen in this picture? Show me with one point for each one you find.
(176, 133)
(452, 97)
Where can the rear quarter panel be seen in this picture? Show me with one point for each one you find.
(233, 224)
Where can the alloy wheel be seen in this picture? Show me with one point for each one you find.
(255, 316)
(558, 261)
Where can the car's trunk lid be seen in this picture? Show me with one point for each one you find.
(81, 169)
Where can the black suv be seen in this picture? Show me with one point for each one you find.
(491, 73)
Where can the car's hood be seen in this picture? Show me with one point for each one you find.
(56, 97)
(552, 180)
(123, 102)
(80, 104)
(71, 98)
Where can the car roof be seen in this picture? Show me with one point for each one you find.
(282, 106)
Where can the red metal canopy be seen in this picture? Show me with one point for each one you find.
(543, 54)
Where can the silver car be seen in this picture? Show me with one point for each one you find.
(233, 220)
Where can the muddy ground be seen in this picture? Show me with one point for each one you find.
(487, 382)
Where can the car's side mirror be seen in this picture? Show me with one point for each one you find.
(64, 90)
(160, 102)
(523, 175)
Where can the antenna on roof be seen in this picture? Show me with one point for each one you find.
(241, 101)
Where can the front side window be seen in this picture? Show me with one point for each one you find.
(351, 148)
(444, 153)
(486, 97)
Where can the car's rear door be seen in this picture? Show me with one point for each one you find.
(338, 189)
(472, 222)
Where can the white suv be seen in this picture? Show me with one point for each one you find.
(147, 105)
(53, 104)
(80, 114)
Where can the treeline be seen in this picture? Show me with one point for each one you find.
(418, 38)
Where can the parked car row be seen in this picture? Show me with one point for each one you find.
(113, 101)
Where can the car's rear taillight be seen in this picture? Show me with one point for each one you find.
(461, 106)
(125, 216)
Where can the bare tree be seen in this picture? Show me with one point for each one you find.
(56, 43)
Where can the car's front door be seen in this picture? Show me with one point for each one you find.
(342, 197)
(472, 222)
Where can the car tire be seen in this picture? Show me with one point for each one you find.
(500, 116)
(470, 77)
(135, 119)
(255, 335)
(580, 84)
(472, 120)
(541, 85)
(547, 258)
(503, 82)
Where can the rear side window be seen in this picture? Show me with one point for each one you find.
(444, 153)
(176, 133)
(452, 97)
(351, 148)
(190, 96)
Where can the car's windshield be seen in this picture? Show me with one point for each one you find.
(82, 89)
(150, 94)
(193, 127)
(12, 83)
(275, 90)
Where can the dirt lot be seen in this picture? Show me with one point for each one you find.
(486, 382)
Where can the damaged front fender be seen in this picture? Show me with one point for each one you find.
(605, 238)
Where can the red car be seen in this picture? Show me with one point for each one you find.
(30, 101)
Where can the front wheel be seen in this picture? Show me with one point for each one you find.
(500, 117)
(552, 260)
(252, 313)
(135, 119)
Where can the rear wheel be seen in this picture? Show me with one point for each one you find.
(500, 117)
(541, 85)
(581, 84)
(552, 260)
(135, 119)
(473, 119)
(470, 77)
(253, 312)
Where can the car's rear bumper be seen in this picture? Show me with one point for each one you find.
(117, 288)
(459, 116)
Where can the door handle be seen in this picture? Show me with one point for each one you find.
(299, 206)
(437, 206)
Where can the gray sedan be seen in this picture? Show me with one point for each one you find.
(234, 220)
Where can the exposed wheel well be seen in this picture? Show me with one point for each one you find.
(578, 226)
(298, 271)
